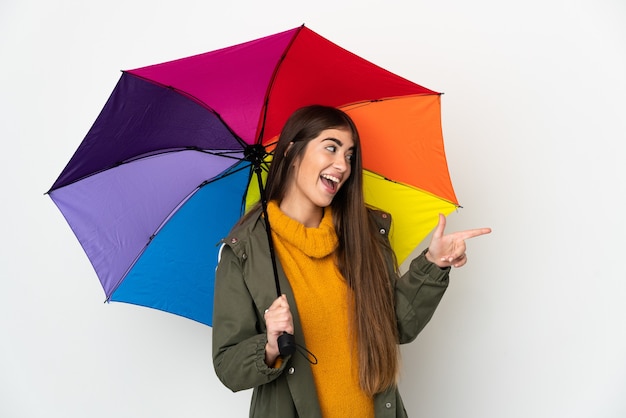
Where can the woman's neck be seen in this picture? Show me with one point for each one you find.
(309, 216)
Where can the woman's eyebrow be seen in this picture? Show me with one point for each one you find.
(336, 141)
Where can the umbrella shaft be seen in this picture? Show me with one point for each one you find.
(257, 170)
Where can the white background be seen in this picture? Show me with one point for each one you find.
(534, 121)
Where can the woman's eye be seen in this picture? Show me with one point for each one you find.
(349, 158)
(331, 148)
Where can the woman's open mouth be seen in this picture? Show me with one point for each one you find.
(331, 182)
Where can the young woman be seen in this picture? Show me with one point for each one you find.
(343, 299)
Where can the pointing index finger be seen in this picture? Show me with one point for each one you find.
(471, 233)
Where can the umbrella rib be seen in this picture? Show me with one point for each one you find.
(225, 153)
(226, 173)
(271, 84)
(150, 239)
(367, 102)
(419, 189)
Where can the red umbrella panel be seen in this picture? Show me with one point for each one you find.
(162, 176)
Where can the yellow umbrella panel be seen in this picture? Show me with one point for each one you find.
(414, 212)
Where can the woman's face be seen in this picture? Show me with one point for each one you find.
(320, 172)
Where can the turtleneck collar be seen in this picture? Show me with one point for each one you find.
(314, 242)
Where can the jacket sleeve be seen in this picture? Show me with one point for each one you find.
(418, 293)
(239, 335)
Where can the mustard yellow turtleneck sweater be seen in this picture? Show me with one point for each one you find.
(323, 298)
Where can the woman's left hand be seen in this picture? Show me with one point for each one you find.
(449, 250)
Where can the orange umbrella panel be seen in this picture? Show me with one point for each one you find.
(402, 141)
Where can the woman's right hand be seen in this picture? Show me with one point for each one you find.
(278, 319)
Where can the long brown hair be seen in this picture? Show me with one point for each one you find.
(361, 252)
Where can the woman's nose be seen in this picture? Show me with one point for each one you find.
(341, 163)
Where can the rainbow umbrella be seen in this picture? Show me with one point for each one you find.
(165, 170)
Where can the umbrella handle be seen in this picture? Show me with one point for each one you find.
(286, 344)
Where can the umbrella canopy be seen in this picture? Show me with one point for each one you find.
(162, 176)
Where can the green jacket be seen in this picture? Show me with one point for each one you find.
(244, 288)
